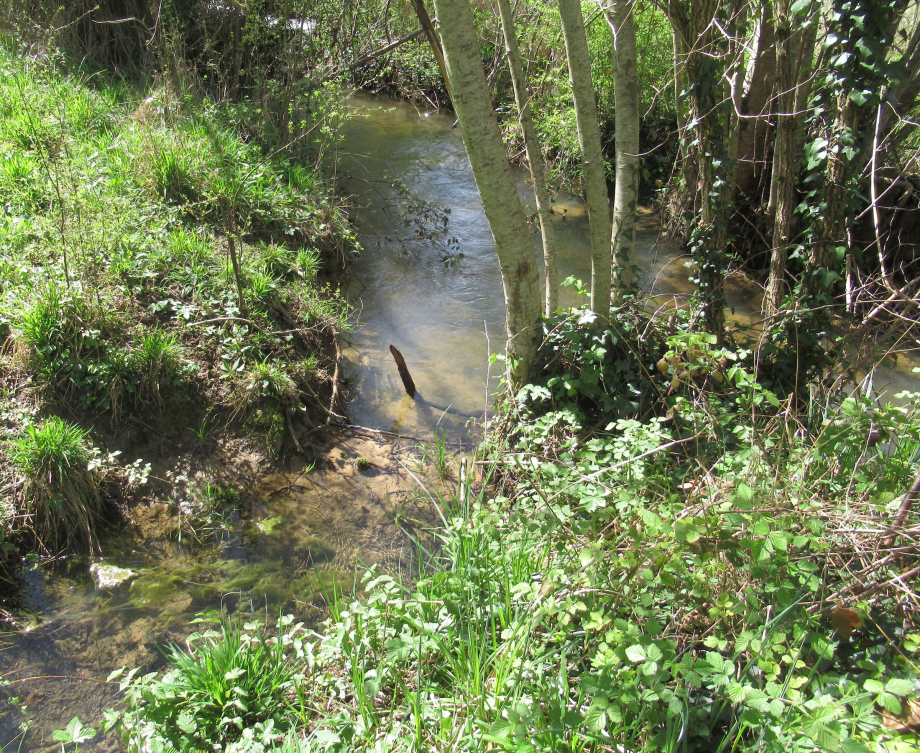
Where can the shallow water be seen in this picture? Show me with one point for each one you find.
(447, 317)
(440, 303)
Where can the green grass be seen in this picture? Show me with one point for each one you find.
(60, 493)
(229, 679)
(117, 291)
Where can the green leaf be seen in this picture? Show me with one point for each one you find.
(899, 686)
(636, 653)
(874, 686)
(736, 692)
(686, 532)
(801, 7)
(326, 738)
(892, 703)
(853, 746)
(824, 735)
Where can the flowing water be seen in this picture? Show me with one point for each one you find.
(433, 290)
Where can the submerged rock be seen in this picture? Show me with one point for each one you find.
(109, 576)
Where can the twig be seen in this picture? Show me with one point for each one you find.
(906, 501)
(355, 427)
(335, 382)
(863, 592)
(290, 427)
(225, 319)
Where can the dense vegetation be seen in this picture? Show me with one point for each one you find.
(157, 266)
(687, 537)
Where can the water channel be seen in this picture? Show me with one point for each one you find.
(439, 301)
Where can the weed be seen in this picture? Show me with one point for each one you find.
(205, 429)
(61, 495)
(160, 360)
(263, 380)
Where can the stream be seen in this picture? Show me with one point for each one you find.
(433, 290)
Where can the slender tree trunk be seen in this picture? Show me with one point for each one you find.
(493, 176)
(704, 65)
(687, 202)
(757, 102)
(831, 230)
(589, 137)
(534, 159)
(626, 94)
(785, 161)
(422, 15)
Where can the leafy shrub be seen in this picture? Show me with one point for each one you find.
(60, 491)
(587, 374)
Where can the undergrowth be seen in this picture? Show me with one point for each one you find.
(155, 263)
(694, 569)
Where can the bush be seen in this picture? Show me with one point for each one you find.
(60, 491)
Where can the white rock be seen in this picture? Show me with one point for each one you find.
(109, 576)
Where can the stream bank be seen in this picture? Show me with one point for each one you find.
(293, 532)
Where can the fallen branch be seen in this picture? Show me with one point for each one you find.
(408, 384)
(355, 427)
(384, 50)
(861, 592)
(290, 427)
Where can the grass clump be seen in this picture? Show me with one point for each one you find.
(233, 688)
(60, 491)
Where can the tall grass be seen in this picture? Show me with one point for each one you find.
(60, 492)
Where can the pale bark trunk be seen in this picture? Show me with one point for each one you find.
(589, 137)
(422, 15)
(493, 176)
(626, 94)
(534, 159)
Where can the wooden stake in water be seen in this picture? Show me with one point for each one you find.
(403, 372)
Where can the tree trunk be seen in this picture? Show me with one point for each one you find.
(493, 176)
(704, 65)
(534, 159)
(785, 161)
(589, 137)
(433, 42)
(626, 94)
(753, 131)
